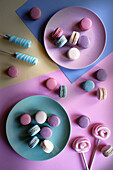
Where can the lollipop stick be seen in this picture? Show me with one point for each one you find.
(94, 154)
(85, 161)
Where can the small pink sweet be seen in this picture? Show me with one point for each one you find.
(85, 24)
(13, 71)
(25, 119)
(57, 33)
(35, 13)
(51, 83)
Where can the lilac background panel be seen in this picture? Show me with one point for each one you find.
(49, 7)
(76, 103)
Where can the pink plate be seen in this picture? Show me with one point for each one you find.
(68, 19)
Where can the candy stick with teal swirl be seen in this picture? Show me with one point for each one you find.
(19, 41)
(26, 58)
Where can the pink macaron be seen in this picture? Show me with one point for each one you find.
(13, 71)
(51, 83)
(35, 13)
(57, 33)
(25, 119)
(85, 24)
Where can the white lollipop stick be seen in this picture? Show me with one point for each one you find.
(85, 161)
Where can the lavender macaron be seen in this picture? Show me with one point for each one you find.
(101, 75)
(54, 121)
(46, 132)
(83, 121)
(84, 42)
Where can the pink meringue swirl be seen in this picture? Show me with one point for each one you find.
(100, 131)
(81, 144)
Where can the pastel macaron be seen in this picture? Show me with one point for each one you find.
(46, 132)
(61, 41)
(57, 33)
(33, 142)
(51, 83)
(34, 130)
(101, 93)
(47, 146)
(25, 119)
(83, 121)
(85, 24)
(107, 150)
(53, 121)
(35, 13)
(74, 38)
(101, 75)
(12, 71)
(40, 117)
(62, 91)
(84, 41)
(88, 85)
(73, 53)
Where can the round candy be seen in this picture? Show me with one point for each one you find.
(107, 150)
(73, 53)
(54, 121)
(47, 146)
(46, 132)
(25, 119)
(100, 131)
(13, 71)
(84, 41)
(88, 85)
(101, 75)
(81, 144)
(85, 24)
(35, 13)
(40, 117)
(83, 121)
(51, 83)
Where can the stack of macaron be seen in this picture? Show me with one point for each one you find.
(40, 133)
(75, 39)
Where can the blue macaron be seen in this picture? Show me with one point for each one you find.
(62, 91)
(33, 142)
(88, 85)
(61, 41)
(34, 130)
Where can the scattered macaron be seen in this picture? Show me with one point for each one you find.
(62, 91)
(74, 38)
(83, 121)
(35, 13)
(88, 85)
(51, 83)
(107, 150)
(13, 71)
(84, 41)
(40, 117)
(101, 93)
(46, 132)
(25, 119)
(47, 146)
(54, 121)
(85, 24)
(61, 41)
(33, 142)
(57, 33)
(101, 75)
(73, 53)
(34, 130)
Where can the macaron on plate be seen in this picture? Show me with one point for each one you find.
(68, 19)
(18, 136)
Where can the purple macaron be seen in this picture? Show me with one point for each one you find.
(54, 121)
(35, 13)
(101, 75)
(84, 41)
(12, 71)
(46, 132)
(83, 121)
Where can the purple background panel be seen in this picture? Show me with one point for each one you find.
(76, 103)
(49, 7)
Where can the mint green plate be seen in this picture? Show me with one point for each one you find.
(17, 134)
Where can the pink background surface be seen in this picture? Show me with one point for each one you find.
(76, 103)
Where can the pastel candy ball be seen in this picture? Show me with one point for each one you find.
(40, 117)
(13, 71)
(73, 53)
(85, 24)
(84, 42)
(46, 132)
(101, 75)
(35, 13)
(25, 119)
(88, 85)
(54, 121)
(51, 83)
(83, 121)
